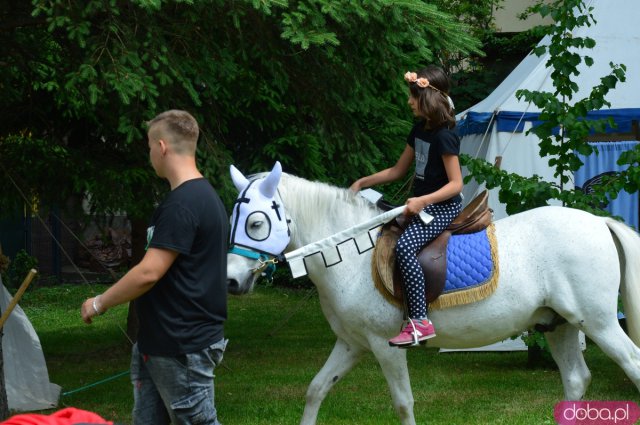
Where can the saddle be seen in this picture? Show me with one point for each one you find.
(475, 217)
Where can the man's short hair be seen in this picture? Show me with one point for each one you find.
(179, 128)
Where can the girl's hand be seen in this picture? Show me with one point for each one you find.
(414, 206)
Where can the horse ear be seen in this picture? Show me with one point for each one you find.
(239, 180)
(270, 183)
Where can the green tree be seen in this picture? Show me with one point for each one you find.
(475, 75)
(310, 83)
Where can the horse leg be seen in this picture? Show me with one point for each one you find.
(342, 359)
(393, 362)
(619, 347)
(564, 343)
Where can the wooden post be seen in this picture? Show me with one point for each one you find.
(14, 301)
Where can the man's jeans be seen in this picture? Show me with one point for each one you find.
(176, 390)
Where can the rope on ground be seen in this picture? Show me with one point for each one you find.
(102, 381)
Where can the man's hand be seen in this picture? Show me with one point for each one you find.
(90, 309)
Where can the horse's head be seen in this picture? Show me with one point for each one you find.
(259, 230)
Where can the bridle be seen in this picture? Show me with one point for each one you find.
(266, 262)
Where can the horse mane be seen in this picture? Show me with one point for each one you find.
(309, 203)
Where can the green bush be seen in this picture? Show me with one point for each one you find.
(18, 268)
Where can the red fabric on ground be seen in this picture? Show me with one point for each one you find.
(68, 416)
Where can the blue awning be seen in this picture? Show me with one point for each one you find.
(510, 121)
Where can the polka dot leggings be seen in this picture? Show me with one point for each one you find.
(411, 242)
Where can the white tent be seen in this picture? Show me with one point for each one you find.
(495, 128)
(25, 370)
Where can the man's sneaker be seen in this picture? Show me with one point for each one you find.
(416, 332)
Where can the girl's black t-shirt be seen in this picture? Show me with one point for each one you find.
(429, 146)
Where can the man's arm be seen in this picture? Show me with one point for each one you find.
(136, 282)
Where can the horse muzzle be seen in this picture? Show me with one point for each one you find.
(236, 288)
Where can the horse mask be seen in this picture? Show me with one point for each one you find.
(259, 220)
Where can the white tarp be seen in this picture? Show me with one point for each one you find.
(25, 371)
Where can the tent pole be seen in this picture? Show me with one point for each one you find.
(14, 301)
(486, 132)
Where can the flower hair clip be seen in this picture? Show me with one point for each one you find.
(422, 82)
(412, 77)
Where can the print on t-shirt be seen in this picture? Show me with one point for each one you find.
(150, 230)
(422, 155)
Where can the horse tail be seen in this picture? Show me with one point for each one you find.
(629, 241)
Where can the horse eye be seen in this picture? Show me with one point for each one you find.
(258, 226)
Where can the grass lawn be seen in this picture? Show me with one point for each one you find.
(270, 362)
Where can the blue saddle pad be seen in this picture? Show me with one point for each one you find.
(469, 261)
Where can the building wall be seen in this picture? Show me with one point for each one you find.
(506, 17)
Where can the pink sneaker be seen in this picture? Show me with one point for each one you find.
(416, 332)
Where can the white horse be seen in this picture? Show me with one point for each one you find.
(558, 266)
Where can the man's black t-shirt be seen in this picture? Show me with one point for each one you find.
(185, 310)
(429, 146)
